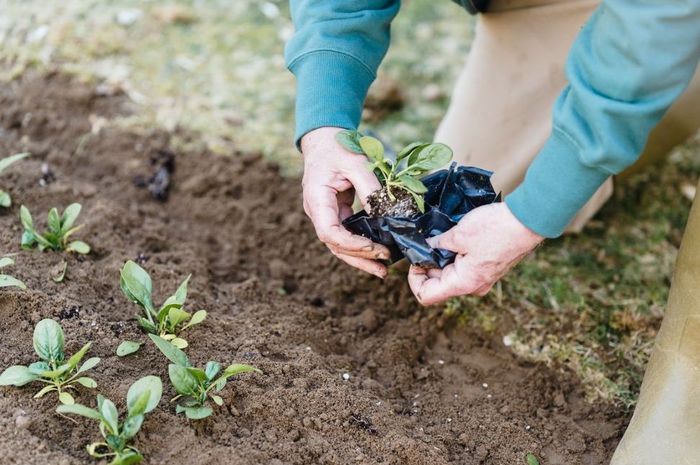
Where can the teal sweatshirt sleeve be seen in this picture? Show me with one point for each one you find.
(630, 62)
(334, 54)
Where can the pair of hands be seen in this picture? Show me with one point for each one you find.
(488, 241)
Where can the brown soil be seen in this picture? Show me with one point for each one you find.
(401, 206)
(420, 390)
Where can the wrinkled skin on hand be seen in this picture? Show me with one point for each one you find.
(332, 175)
(489, 241)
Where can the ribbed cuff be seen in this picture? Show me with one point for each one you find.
(556, 186)
(331, 90)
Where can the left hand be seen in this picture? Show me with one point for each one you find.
(489, 241)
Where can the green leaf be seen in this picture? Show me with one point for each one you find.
(151, 384)
(420, 202)
(110, 415)
(48, 340)
(79, 247)
(431, 157)
(77, 409)
(413, 184)
(65, 398)
(70, 214)
(127, 348)
(350, 140)
(406, 151)
(196, 319)
(7, 161)
(147, 325)
(132, 425)
(57, 373)
(54, 221)
(212, 369)
(172, 353)
(17, 375)
(6, 261)
(127, 458)
(198, 373)
(9, 281)
(220, 383)
(26, 218)
(238, 368)
(89, 364)
(45, 390)
(176, 316)
(78, 356)
(531, 459)
(195, 413)
(137, 285)
(217, 400)
(60, 276)
(5, 199)
(39, 367)
(87, 382)
(373, 148)
(180, 295)
(183, 381)
(179, 342)
(28, 239)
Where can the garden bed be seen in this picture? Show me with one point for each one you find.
(354, 371)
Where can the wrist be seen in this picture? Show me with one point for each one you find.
(319, 137)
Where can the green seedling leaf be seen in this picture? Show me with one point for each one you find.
(75, 359)
(77, 409)
(70, 214)
(79, 247)
(147, 325)
(66, 399)
(212, 369)
(6, 261)
(373, 148)
(179, 342)
(9, 281)
(183, 381)
(238, 368)
(420, 202)
(197, 318)
(7, 161)
(45, 390)
(531, 459)
(151, 384)
(49, 340)
(413, 185)
(60, 275)
(39, 367)
(132, 425)
(176, 316)
(26, 218)
(199, 374)
(172, 353)
(87, 382)
(128, 458)
(110, 415)
(195, 413)
(406, 151)
(89, 364)
(5, 199)
(180, 295)
(350, 140)
(17, 375)
(217, 400)
(128, 348)
(431, 157)
(54, 222)
(137, 285)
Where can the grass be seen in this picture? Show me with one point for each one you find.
(591, 303)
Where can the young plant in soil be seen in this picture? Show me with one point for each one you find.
(143, 396)
(171, 318)
(5, 279)
(58, 373)
(5, 199)
(195, 386)
(61, 227)
(402, 191)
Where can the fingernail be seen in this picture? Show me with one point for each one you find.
(367, 248)
(383, 256)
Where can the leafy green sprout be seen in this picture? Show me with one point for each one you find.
(5, 279)
(171, 318)
(58, 373)
(5, 199)
(195, 386)
(60, 228)
(143, 396)
(412, 162)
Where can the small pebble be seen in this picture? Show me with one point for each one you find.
(485, 385)
(346, 376)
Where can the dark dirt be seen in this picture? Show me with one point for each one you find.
(418, 390)
(401, 206)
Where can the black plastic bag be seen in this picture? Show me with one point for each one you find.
(452, 193)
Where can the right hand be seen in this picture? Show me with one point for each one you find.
(332, 175)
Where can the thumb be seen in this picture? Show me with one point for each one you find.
(445, 240)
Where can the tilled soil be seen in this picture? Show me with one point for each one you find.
(354, 371)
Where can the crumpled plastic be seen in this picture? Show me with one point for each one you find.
(452, 193)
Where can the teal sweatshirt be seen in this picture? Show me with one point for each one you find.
(630, 62)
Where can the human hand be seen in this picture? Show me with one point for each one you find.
(332, 175)
(488, 241)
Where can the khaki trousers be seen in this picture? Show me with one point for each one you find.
(501, 108)
(499, 118)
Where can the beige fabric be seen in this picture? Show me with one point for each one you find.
(500, 113)
(665, 428)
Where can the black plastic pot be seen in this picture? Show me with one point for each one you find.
(452, 193)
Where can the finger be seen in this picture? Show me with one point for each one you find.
(365, 182)
(431, 291)
(345, 201)
(369, 266)
(321, 206)
(447, 240)
(378, 253)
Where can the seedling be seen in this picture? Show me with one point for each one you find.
(53, 369)
(171, 318)
(5, 279)
(195, 386)
(60, 229)
(5, 199)
(401, 176)
(143, 396)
